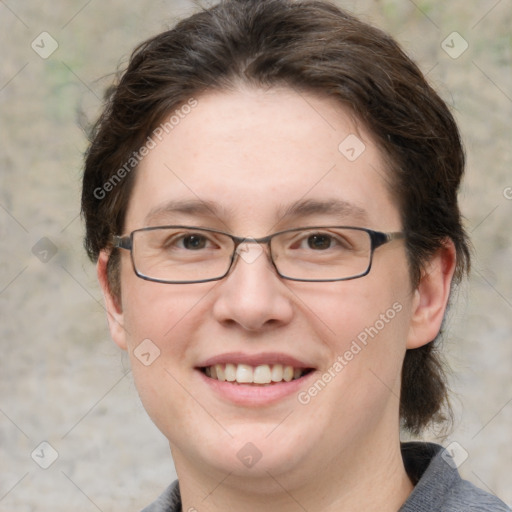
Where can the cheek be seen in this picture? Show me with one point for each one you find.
(160, 321)
(363, 325)
(158, 325)
(355, 310)
(363, 334)
(163, 396)
(161, 312)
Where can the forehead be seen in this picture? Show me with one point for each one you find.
(254, 158)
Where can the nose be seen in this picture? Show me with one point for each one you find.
(253, 296)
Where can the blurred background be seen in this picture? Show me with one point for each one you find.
(64, 382)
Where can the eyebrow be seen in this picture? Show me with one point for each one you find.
(186, 207)
(297, 210)
(337, 207)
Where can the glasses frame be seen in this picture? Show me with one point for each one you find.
(378, 238)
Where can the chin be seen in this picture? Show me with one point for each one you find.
(251, 455)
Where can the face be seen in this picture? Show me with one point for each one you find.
(252, 163)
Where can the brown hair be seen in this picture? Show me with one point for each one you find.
(307, 45)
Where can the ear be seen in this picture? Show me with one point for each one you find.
(112, 303)
(431, 296)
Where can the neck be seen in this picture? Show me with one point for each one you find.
(371, 479)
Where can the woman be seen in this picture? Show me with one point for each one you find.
(271, 199)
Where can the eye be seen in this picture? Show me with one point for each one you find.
(319, 241)
(322, 241)
(193, 242)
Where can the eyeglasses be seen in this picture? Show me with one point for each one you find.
(186, 254)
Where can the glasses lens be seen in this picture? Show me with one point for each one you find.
(181, 254)
(322, 253)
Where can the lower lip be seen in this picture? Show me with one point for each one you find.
(252, 394)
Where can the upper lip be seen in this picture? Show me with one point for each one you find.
(254, 359)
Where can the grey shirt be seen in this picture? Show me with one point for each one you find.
(438, 486)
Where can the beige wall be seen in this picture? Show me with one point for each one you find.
(61, 378)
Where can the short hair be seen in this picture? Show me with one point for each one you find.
(309, 46)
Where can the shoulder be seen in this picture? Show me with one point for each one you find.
(168, 501)
(468, 497)
(439, 486)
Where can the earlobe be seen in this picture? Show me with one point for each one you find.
(431, 297)
(112, 303)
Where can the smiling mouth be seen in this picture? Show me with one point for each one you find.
(265, 374)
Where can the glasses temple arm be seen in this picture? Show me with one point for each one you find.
(122, 242)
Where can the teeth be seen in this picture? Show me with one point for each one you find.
(246, 374)
(277, 373)
(230, 372)
(288, 373)
(261, 374)
(221, 375)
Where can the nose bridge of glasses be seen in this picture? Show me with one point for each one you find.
(249, 249)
